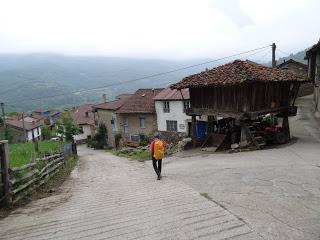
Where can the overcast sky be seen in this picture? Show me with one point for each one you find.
(157, 28)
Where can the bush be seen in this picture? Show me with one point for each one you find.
(99, 140)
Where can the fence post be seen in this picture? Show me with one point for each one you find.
(5, 171)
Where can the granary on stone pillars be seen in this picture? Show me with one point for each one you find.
(238, 94)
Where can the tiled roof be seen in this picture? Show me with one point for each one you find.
(39, 117)
(237, 72)
(113, 105)
(83, 115)
(19, 124)
(140, 102)
(294, 62)
(313, 49)
(173, 94)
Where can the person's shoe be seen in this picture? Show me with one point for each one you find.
(159, 177)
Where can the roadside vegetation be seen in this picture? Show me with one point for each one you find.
(21, 153)
(140, 154)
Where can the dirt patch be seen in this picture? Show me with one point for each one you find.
(48, 195)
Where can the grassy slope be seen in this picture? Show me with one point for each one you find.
(21, 153)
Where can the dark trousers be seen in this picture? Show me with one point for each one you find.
(157, 165)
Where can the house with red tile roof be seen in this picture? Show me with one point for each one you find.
(83, 117)
(106, 113)
(137, 115)
(171, 106)
(21, 130)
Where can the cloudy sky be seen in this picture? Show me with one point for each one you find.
(178, 29)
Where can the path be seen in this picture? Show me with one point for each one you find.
(109, 197)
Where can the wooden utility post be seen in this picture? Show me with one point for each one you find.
(24, 128)
(4, 160)
(274, 55)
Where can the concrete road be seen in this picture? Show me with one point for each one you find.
(113, 198)
(276, 191)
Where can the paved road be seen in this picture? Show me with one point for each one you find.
(277, 191)
(113, 198)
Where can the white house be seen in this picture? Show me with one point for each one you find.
(171, 105)
(27, 130)
(83, 117)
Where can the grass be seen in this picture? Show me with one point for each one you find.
(141, 155)
(21, 153)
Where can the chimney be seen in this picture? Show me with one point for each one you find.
(153, 91)
(104, 98)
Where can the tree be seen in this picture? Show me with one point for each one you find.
(66, 127)
(99, 140)
(46, 132)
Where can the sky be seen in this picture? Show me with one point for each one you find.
(166, 29)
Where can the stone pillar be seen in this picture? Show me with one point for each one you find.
(244, 138)
(286, 128)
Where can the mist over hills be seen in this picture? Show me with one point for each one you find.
(24, 77)
(31, 76)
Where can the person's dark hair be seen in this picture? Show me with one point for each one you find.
(156, 135)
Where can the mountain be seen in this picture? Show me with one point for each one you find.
(34, 76)
(299, 56)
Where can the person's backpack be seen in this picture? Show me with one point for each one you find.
(158, 152)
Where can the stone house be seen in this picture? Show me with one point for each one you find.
(301, 69)
(137, 116)
(313, 57)
(171, 106)
(106, 113)
(83, 117)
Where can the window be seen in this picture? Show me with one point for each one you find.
(186, 105)
(81, 129)
(142, 122)
(135, 137)
(166, 106)
(126, 126)
(171, 126)
(114, 123)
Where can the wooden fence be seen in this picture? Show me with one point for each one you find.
(17, 182)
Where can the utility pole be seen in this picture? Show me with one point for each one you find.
(24, 128)
(274, 55)
(3, 115)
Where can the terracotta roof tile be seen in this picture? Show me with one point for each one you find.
(83, 115)
(173, 94)
(237, 72)
(140, 102)
(19, 124)
(113, 105)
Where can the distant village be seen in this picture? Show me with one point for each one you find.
(213, 107)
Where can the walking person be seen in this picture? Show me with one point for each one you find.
(157, 154)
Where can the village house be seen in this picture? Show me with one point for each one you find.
(171, 106)
(301, 69)
(106, 114)
(137, 116)
(240, 92)
(26, 130)
(83, 117)
(313, 57)
(49, 117)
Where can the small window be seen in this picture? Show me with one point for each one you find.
(166, 106)
(81, 129)
(142, 122)
(126, 126)
(186, 105)
(113, 123)
(172, 126)
(135, 138)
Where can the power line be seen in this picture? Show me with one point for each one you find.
(145, 77)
